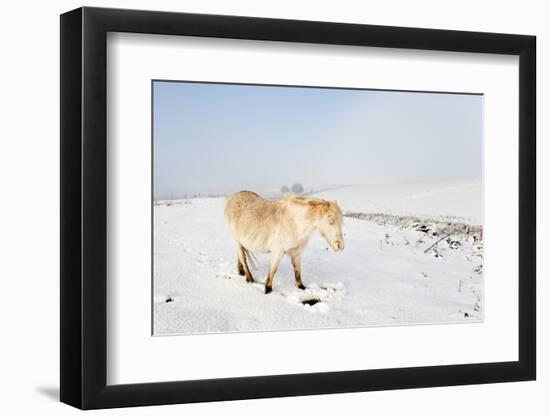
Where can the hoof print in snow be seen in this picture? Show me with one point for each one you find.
(224, 276)
(311, 301)
(169, 300)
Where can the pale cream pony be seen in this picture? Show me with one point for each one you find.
(280, 227)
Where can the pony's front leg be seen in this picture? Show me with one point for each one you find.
(295, 258)
(275, 259)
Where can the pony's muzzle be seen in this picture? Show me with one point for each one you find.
(339, 245)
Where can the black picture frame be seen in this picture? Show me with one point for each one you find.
(84, 207)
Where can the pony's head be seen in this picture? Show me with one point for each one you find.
(329, 222)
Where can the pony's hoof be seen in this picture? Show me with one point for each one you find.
(250, 281)
(302, 287)
(268, 289)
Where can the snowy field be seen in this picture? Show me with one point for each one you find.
(387, 274)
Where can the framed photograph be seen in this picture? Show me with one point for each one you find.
(257, 207)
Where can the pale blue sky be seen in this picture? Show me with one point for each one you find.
(219, 138)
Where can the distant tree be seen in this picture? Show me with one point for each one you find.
(284, 189)
(297, 188)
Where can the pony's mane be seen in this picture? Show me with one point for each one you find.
(293, 198)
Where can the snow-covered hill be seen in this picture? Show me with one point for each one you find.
(383, 277)
(455, 199)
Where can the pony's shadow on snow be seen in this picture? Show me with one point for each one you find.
(49, 392)
(319, 295)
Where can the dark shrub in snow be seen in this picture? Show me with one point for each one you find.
(297, 188)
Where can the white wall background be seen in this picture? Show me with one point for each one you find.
(29, 228)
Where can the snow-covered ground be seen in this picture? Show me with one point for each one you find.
(383, 277)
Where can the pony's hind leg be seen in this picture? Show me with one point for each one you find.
(275, 258)
(241, 263)
(240, 267)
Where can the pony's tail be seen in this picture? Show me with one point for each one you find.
(250, 258)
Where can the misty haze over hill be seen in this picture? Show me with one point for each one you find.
(214, 139)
